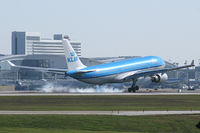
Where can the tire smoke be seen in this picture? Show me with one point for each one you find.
(49, 88)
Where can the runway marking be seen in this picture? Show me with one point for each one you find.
(88, 94)
(117, 113)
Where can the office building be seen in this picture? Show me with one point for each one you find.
(31, 43)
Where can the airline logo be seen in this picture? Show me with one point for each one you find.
(73, 58)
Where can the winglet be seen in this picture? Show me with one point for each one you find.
(192, 63)
(13, 65)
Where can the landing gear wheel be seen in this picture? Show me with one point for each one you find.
(137, 87)
(134, 89)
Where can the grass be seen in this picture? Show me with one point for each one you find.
(171, 102)
(98, 124)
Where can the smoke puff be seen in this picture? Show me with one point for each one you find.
(50, 87)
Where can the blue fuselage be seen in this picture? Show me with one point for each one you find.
(118, 67)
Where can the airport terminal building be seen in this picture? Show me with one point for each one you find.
(31, 43)
(29, 49)
(10, 75)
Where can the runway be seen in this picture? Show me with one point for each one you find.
(90, 94)
(116, 113)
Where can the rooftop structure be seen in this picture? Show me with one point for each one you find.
(31, 43)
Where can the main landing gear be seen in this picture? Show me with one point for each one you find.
(134, 87)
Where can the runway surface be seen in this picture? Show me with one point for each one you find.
(117, 113)
(87, 94)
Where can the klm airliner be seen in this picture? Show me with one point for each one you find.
(116, 72)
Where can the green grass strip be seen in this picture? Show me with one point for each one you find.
(171, 102)
(98, 124)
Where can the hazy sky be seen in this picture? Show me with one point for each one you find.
(166, 28)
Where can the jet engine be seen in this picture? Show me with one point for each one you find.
(159, 78)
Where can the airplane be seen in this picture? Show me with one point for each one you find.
(115, 72)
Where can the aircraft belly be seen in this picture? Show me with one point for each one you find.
(102, 80)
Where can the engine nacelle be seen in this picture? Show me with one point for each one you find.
(159, 78)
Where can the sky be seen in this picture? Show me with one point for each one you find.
(169, 29)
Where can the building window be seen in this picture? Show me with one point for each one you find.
(32, 38)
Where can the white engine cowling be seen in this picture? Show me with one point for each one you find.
(159, 78)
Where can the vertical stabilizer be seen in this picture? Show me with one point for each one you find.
(73, 61)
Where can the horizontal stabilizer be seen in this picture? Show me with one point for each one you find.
(85, 71)
(81, 72)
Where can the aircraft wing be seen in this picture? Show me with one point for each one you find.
(42, 69)
(153, 72)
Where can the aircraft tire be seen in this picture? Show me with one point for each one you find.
(137, 87)
(134, 89)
